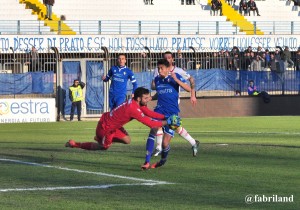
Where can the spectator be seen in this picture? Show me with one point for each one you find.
(252, 89)
(252, 7)
(272, 62)
(221, 60)
(148, 2)
(277, 54)
(243, 7)
(35, 61)
(228, 60)
(49, 4)
(231, 2)
(267, 56)
(264, 63)
(236, 62)
(63, 18)
(252, 56)
(249, 49)
(180, 61)
(191, 2)
(246, 61)
(214, 60)
(256, 64)
(146, 62)
(296, 2)
(235, 50)
(215, 6)
(259, 51)
(76, 96)
(286, 57)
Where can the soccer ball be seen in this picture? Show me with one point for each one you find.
(173, 127)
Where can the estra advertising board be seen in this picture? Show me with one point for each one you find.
(27, 110)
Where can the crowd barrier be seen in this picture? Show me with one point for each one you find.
(80, 27)
(55, 70)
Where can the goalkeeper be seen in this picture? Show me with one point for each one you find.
(167, 87)
(110, 126)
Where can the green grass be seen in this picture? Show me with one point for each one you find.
(262, 157)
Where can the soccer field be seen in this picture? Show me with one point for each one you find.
(243, 163)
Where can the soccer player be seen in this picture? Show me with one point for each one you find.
(167, 87)
(180, 130)
(110, 126)
(119, 75)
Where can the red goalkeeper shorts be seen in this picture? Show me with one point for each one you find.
(105, 138)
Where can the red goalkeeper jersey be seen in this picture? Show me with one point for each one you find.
(128, 111)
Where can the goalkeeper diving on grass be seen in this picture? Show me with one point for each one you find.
(167, 88)
(110, 126)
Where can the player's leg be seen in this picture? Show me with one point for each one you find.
(111, 102)
(104, 140)
(168, 134)
(159, 139)
(84, 145)
(119, 99)
(184, 134)
(149, 148)
(121, 136)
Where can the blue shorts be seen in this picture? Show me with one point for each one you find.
(168, 130)
(116, 100)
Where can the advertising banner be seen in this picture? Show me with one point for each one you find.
(81, 43)
(27, 110)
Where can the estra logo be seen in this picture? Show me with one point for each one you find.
(24, 107)
(4, 108)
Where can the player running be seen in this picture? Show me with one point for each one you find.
(180, 130)
(119, 75)
(167, 87)
(109, 128)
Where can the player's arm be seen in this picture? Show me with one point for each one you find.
(151, 113)
(193, 91)
(108, 76)
(133, 80)
(141, 117)
(185, 86)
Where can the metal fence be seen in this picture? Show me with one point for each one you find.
(231, 64)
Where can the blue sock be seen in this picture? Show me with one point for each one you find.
(149, 147)
(165, 152)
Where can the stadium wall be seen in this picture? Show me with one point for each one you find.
(238, 106)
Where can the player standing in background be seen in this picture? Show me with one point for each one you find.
(167, 87)
(180, 130)
(119, 75)
(110, 126)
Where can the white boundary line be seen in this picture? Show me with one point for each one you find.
(74, 187)
(144, 181)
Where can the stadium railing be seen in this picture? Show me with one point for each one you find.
(55, 71)
(149, 27)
